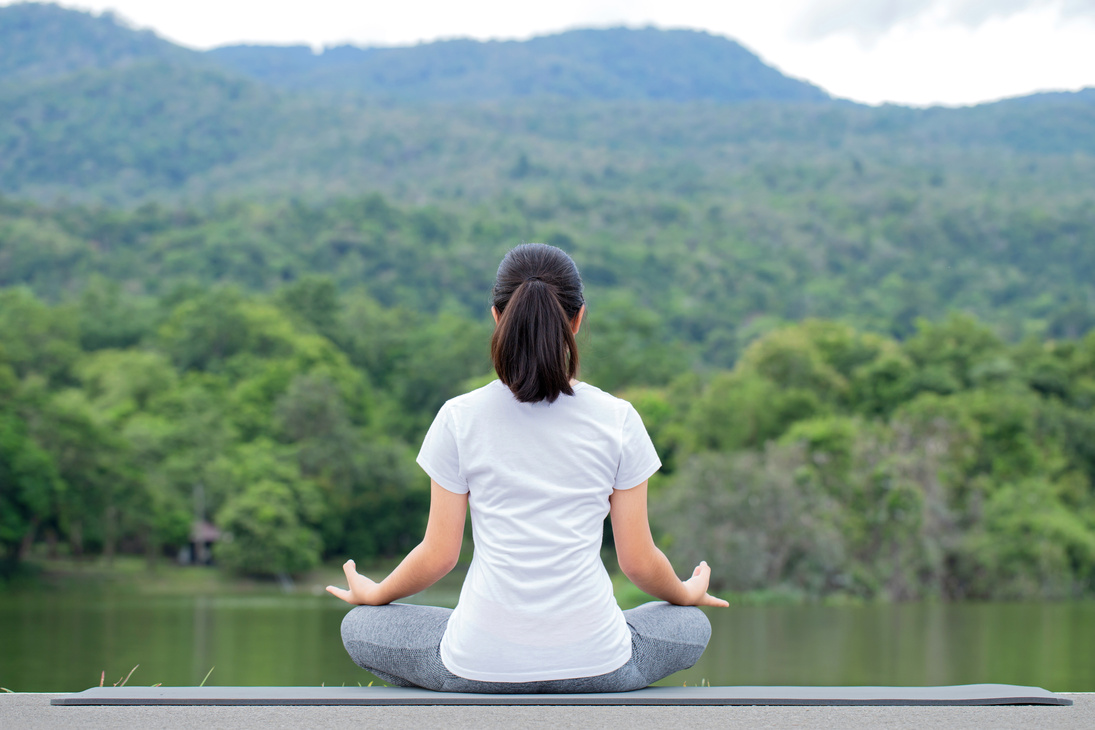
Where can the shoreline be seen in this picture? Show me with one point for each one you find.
(129, 574)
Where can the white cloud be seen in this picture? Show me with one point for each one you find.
(955, 65)
(870, 20)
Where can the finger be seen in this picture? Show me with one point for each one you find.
(350, 569)
(709, 600)
(340, 593)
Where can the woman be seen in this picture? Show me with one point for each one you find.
(540, 458)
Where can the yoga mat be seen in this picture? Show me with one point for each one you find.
(968, 694)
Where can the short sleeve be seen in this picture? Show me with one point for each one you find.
(439, 455)
(638, 458)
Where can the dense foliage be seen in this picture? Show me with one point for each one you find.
(827, 460)
(830, 460)
(701, 278)
(158, 131)
(289, 416)
(863, 339)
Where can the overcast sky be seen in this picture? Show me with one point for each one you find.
(916, 52)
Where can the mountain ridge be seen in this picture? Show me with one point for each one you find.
(603, 64)
(39, 41)
(42, 41)
(145, 120)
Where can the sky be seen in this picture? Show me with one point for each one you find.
(912, 52)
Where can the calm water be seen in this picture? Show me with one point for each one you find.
(47, 644)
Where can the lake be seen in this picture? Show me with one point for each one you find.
(63, 643)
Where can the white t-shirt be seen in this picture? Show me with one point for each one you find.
(537, 602)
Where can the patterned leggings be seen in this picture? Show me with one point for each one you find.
(401, 644)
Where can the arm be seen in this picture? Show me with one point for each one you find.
(433, 558)
(641, 560)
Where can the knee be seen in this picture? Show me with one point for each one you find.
(659, 618)
(699, 626)
(693, 634)
(358, 636)
(688, 626)
(355, 623)
(347, 626)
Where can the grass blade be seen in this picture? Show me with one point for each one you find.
(128, 675)
(207, 675)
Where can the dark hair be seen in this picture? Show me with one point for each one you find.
(538, 293)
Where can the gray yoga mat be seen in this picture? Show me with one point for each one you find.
(968, 694)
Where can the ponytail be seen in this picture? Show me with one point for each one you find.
(538, 295)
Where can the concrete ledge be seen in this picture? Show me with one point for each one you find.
(34, 712)
(967, 694)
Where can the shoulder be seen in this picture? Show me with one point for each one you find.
(491, 395)
(495, 398)
(593, 394)
(593, 397)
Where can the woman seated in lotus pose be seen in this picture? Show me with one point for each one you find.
(540, 458)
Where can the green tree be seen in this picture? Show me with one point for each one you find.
(263, 534)
(271, 513)
(760, 517)
(29, 489)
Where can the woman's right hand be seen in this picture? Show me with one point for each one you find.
(643, 563)
(696, 588)
(362, 590)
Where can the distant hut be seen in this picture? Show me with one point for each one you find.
(202, 536)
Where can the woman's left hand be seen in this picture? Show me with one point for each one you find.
(696, 588)
(362, 591)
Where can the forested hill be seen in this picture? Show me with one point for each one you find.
(617, 63)
(45, 41)
(39, 41)
(93, 111)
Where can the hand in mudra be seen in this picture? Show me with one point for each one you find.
(362, 591)
(696, 587)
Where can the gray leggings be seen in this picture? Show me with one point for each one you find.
(401, 644)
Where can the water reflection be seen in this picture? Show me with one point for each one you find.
(51, 645)
(904, 644)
